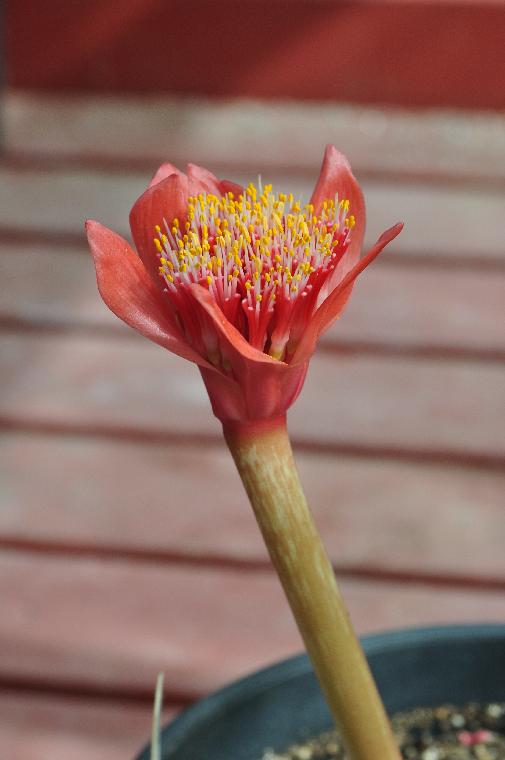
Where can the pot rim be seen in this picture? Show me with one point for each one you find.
(283, 671)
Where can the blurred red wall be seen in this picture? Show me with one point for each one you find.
(407, 52)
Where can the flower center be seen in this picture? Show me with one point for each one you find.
(263, 256)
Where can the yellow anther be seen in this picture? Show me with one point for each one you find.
(271, 241)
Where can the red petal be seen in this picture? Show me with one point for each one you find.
(232, 338)
(163, 172)
(130, 293)
(336, 177)
(226, 186)
(201, 180)
(335, 302)
(259, 387)
(166, 199)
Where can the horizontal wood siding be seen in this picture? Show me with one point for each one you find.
(126, 542)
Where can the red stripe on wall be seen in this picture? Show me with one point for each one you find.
(407, 52)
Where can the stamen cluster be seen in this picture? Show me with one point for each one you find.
(263, 256)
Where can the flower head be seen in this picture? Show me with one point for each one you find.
(241, 281)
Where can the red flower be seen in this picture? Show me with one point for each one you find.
(240, 281)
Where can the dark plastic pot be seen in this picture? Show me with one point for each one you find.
(282, 705)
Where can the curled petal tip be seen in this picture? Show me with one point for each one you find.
(393, 231)
(164, 171)
(101, 239)
(332, 154)
(386, 237)
(201, 180)
(95, 231)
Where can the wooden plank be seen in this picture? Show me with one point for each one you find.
(462, 222)
(392, 306)
(448, 145)
(168, 503)
(42, 727)
(382, 54)
(448, 309)
(114, 625)
(423, 406)
(60, 286)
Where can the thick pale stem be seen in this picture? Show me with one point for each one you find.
(265, 462)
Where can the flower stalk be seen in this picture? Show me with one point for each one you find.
(263, 456)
